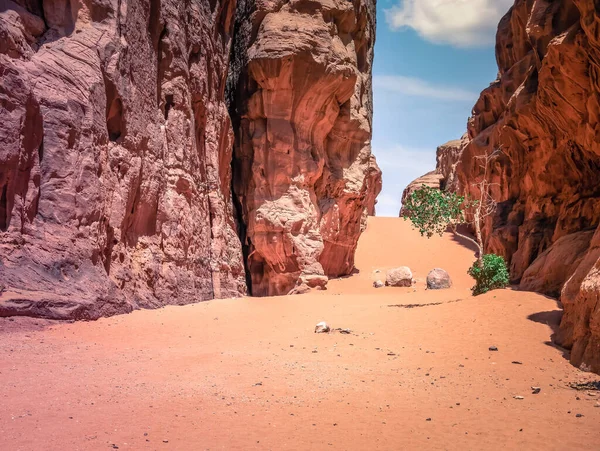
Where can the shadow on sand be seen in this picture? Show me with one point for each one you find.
(14, 324)
(354, 272)
(551, 319)
(462, 241)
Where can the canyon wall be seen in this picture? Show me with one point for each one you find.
(542, 112)
(305, 177)
(116, 149)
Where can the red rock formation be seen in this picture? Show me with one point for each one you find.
(543, 113)
(442, 177)
(432, 179)
(304, 173)
(115, 149)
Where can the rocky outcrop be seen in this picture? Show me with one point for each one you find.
(304, 174)
(553, 267)
(443, 177)
(116, 151)
(580, 297)
(432, 180)
(543, 112)
(447, 158)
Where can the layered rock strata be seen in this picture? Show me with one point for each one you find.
(115, 148)
(116, 153)
(542, 113)
(305, 177)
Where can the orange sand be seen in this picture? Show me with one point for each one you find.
(251, 374)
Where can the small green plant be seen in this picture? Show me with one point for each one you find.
(490, 273)
(433, 211)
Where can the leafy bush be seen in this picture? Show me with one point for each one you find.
(431, 211)
(491, 274)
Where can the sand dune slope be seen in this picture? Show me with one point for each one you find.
(251, 374)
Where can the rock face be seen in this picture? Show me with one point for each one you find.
(116, 154)
(549, 272)
(432, 179)
(399, 277)
(115, 148)
(304, 174)
(438, 279)
(543, 113)
(443, 176)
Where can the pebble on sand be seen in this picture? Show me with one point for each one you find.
(322, 328)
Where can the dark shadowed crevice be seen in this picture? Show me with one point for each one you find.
(107, 254)
(4, 218)
(241, 231)
(41, 151)
(531, 83)
(160, 70)
(114, 111)
(211, 219)
(114, 119)
(119, 31)
(154, 22)
(236, 81)
(168, 105)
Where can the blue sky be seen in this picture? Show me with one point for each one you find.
(432, 59)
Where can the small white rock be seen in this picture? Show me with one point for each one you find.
(378, 284)
(322, 328)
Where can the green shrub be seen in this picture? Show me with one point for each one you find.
(490, 275)
(431, 211)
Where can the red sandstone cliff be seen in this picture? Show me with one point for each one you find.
(304, 173)
(543, 113)
(116, 154)
(115, 147)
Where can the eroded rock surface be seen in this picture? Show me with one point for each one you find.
(543, 112)
(115, 149)
(549, 272)
(304, 174)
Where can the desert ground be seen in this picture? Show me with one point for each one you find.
(416, 372)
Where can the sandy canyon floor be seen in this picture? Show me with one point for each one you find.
(415, 373)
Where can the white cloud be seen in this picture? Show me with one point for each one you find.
(416, 87)
(462, 23)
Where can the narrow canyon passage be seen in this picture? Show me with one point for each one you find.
(250, 373)
(168, 167)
